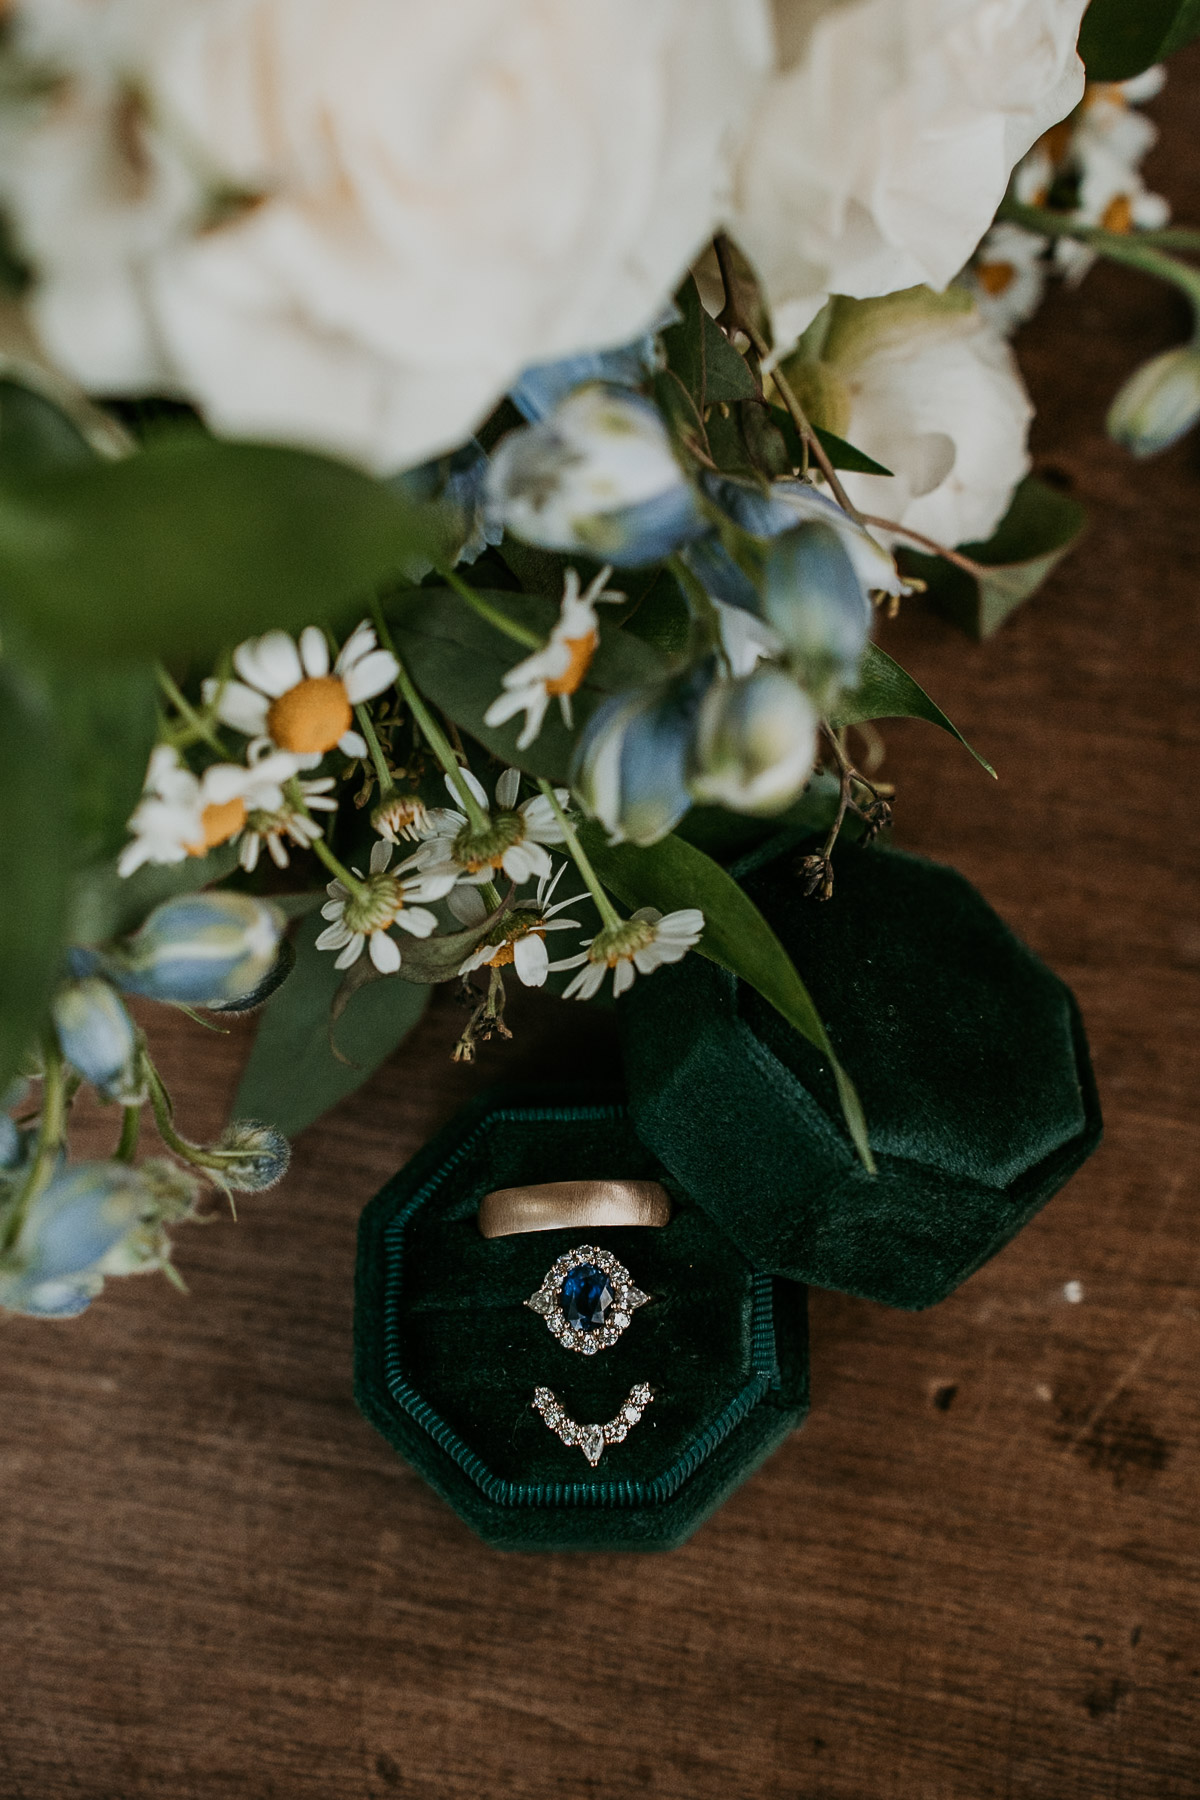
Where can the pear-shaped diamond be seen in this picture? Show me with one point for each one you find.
(591, 1442)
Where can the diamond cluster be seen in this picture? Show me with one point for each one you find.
(592, 1439)
(600, 1324)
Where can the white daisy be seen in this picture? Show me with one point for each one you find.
(289, 693)
(559, 668)
(181, 814)
(1007, 276)
(642, 943)
(367, 917)
(513, 838)
(520, 936)
(288, 822)
(400, 816)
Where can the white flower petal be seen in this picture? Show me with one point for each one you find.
(587, 983)
(384, 952)
(477, 959)
(270, 663)
(351, 953)
(360, 643)
(314, 651)
(475, 786)
(622, 976)
(334, 937)
(350, 744)
(333, 909)
(381, 855)
(467, 905)
(239, 706)
(540, 820)
(371, 676)
(531, 960)
(417, 921)
(507, 789)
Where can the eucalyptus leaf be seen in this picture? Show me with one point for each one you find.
(673, 874)
(886, 691)
(35, 799)
(458, 660)
(1037, 531)
(426, 961)
(702, 357)
(841, 454)
(293, 1075)
(1120, 38)
(192, 543)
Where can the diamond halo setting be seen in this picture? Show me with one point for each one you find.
(593, 1440)
(587, 1299)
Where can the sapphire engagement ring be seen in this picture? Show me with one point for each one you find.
(587, 1298)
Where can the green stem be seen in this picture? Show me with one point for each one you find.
(1121, 247)
(435, 737)
(350, 882)
(382, 773)
(604, 906)
(200, 728)
(520, 634)
(51, 1126)
(160, 1102)
(131, 1128)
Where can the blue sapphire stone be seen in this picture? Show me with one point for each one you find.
(587, 1297)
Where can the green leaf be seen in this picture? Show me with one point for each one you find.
(886, 691)
(841, 454)
(1120, 38)
(108, 718)
(293, 1076)
(700, 354)
(673, 874)
(47, 424)
(1040, 526)
(34, 865)
(426, 961)
(104, 905)
(458, 661)
(192, 543)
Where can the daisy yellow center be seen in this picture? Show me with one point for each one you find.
(506, 952)
(1118, 214)
(219, 823)
(581, 651)
(996, 278)
(618, 941)
(312, 716)
(484, 849)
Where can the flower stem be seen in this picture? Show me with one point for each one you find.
(200, 728)
(979, 570)
(1122, 247)
(382, 773)
(520, 634)
(350, 882)
(51, 1125)
(131, 1127)
(435, 737)
(604, 906)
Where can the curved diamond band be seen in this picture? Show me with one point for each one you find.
(593, 1439)
(587, 1299)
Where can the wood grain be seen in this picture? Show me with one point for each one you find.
(973, 1576)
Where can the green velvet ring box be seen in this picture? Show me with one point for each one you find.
(968, 1055)
(448, 1356)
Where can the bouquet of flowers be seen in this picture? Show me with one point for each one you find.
(451, 461)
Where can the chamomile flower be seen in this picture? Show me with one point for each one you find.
(181, 814)
(289, 692)
(1007, 276)
(384, 900)
(289, 822)
(400, 816)
(519, 938)
(512, 839)
(558, 669)
(642, 943)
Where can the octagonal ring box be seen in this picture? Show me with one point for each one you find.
(968, 1054)
(448, 1356)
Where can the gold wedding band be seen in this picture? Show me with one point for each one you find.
(555, 1205)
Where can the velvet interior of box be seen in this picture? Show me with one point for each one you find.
(448, 1356)
(967, 1052)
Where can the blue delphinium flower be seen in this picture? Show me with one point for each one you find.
(98, 1037)
(198, 948)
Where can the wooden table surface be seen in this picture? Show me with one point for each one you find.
(972, 1576)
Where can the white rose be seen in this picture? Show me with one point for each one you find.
(921, 382)
(887, 136)
(434, 196)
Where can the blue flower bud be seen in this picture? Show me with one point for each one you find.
(453, 487)
(631, 764)
(98, 1038)
(596, 477)
(543, 385)
(1159, 402)
(769, 512)
(199, 949)
(815, 601)
(11, 1146)
(77, 1220)
(755, 742)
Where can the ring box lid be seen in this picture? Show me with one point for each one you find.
(968, 1054)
